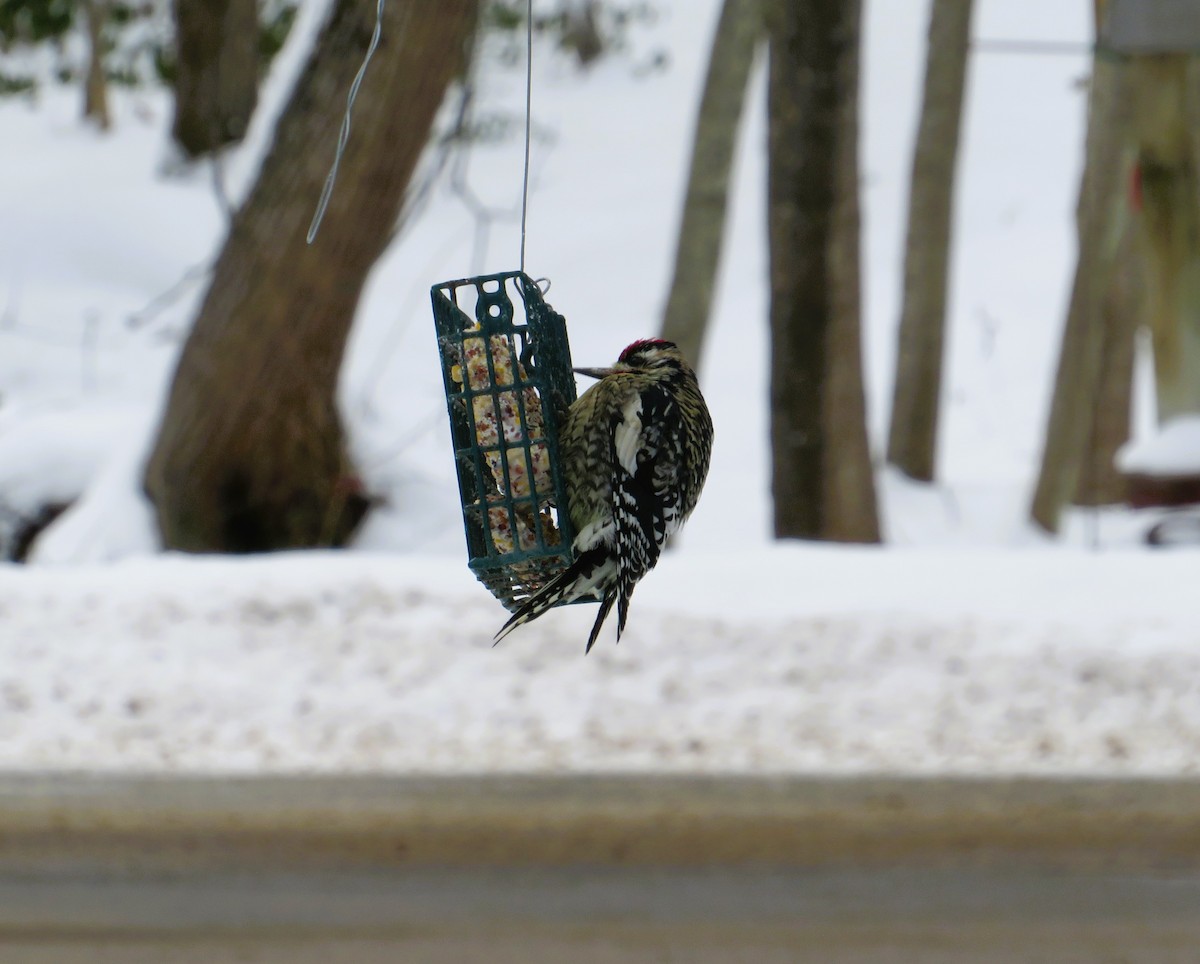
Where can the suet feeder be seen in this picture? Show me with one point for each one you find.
(506, 365)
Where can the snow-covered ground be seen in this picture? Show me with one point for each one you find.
(796, 659)
(970, 644)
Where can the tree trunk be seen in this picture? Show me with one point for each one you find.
(251, 454)
(1098, 218)
(95, 94)
(912, 438)
(216, 72)
(851, 513)
(698, 251)
(822, 481)
(1100, 482)
(1165, 112)
(581, 30)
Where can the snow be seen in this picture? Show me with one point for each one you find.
(971, 643)
(1173, 450)
(843, 660)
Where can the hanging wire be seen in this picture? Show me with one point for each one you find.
(528, 112)
(344, 134)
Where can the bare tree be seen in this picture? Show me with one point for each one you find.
(698, 250)
(912, 438)
(216, 72)
(822, 479)
(1165, 114)
(95, 90)
(1099, 217)
(581, 29)
(250, 454)
(1100, 481)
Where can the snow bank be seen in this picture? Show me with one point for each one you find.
(791, 660)
(1173, 450)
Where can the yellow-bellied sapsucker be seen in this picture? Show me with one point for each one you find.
(635, 449)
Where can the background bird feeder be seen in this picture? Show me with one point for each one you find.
(506, 365)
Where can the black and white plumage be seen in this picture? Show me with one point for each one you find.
(635, 449)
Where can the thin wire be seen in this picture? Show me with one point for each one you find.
(344, 134)
(528, 112)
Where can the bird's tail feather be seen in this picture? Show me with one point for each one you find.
(605, 606)
(575, 580)
(623, 594)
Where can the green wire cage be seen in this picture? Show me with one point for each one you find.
(506, 366)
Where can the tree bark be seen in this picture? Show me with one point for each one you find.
(698, 250)
(1100, 482)
(581, 30)
(250, 454)
(822, 480)
(95, 95)
(216, 72)
(1166, 110)
(1098, 218)
(851, 512)
(912, 437)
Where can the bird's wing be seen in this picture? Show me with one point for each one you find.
(642, 481)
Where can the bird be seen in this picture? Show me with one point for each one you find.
(635, 450)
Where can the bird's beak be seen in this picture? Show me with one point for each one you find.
(594, 372)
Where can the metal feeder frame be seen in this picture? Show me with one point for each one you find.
(541, 361)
